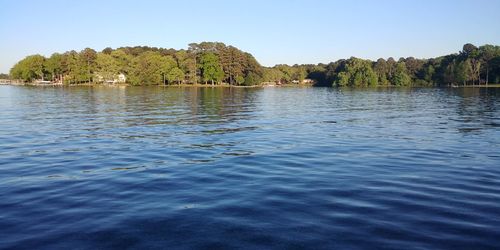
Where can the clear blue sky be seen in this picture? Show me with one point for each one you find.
(274, 31)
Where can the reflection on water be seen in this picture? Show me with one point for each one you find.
(155, 167)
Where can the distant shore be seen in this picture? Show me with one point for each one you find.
(169, 85)
(200, 85)
(481, 86)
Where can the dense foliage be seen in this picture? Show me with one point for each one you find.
(471, 66)
(206, 62)
(216, 63)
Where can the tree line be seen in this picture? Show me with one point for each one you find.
(470, 66)
(206, 62)
(216, 63)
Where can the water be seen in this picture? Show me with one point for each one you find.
(283, 168)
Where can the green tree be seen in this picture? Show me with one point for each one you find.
(449, 73)
(216, 62)
(299, 74)
(70, 67)
(475, 64)
(53, 65)
(487, 53)
(123, 60)
(429, 73)
(495, 69)
(252, 79)
(211, 69)
(463, 71)
(286, 72)
(233, 62)
(151, 68)
(343, 79)
(468, 49)
(107, 51)
(240, 80)
(106, 67)
(29, 69)
(401, 77)
(357, 72)
(381, 69)
(253, 68)
(175, 75)
(413, 66)
(87, 63)
(272, 75)
(190, 67)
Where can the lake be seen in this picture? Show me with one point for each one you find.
(238, 168)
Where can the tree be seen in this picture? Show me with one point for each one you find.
(391, 67)
(70, 67)
(211, 69)
(151, 68)
(252, 79)
(449, 74)
(29, 69)
(107, 51)
(343, 79)
(401, 77)
(475, 70)
(357, 72)
(88, 57)
(272, 75)
(463, 71)
(216, 62)
(106, 67)
(495, 69)
(487, 53)
(123, 61)
(317, 74)
(429, 73)
(381, 69)
(180, 56)
(175, 75)
(299, 74)
(253, 68)
(53, 65)
(232, 61)
(468, 49)
(413, 66)
(190, 69)
(186, 63)
(240, 80)
(286, 72)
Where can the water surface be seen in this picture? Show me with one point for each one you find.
(283, 168)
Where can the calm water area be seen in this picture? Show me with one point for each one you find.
(249, 168)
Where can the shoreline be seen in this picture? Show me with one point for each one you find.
(221, 85)
(165, 86)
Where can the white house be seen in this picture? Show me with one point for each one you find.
(119, 78)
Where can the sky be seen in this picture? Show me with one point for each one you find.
(274, 31)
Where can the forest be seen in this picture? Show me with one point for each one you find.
(214, 63)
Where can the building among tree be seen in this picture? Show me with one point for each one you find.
(117, 78)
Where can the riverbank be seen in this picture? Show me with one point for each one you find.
(199, 85)
(208, 86)
(169, 86)
(481, 86)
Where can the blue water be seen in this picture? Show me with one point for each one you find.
(221, 168)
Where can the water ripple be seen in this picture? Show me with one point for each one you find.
(282, 168)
